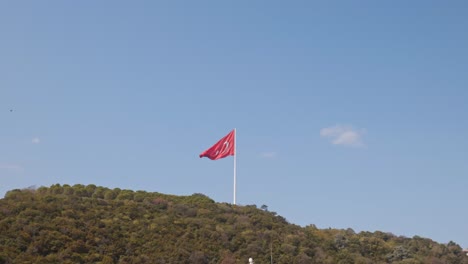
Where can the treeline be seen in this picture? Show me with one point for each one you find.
(90, 224)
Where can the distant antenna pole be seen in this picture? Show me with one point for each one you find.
(235, 156)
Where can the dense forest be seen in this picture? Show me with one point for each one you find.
(90, 224)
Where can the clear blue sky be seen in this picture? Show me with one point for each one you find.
(348, 114)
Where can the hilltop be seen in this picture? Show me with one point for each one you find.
(90, 224)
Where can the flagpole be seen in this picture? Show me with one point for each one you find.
(235, 157)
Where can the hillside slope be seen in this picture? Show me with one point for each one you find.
(90, 224)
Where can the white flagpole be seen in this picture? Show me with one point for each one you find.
(235, 156)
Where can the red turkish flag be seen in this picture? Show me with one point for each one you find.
(223, 148)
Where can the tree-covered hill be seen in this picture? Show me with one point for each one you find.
(89, 224)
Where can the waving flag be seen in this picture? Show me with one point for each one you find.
(223, 148)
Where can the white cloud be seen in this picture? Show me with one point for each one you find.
(11, 167)
(268, 155)
(343, 135)
(36, 140)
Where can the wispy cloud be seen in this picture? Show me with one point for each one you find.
(11, 167)
(268, 155)
(36, 140)
(343, 135)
